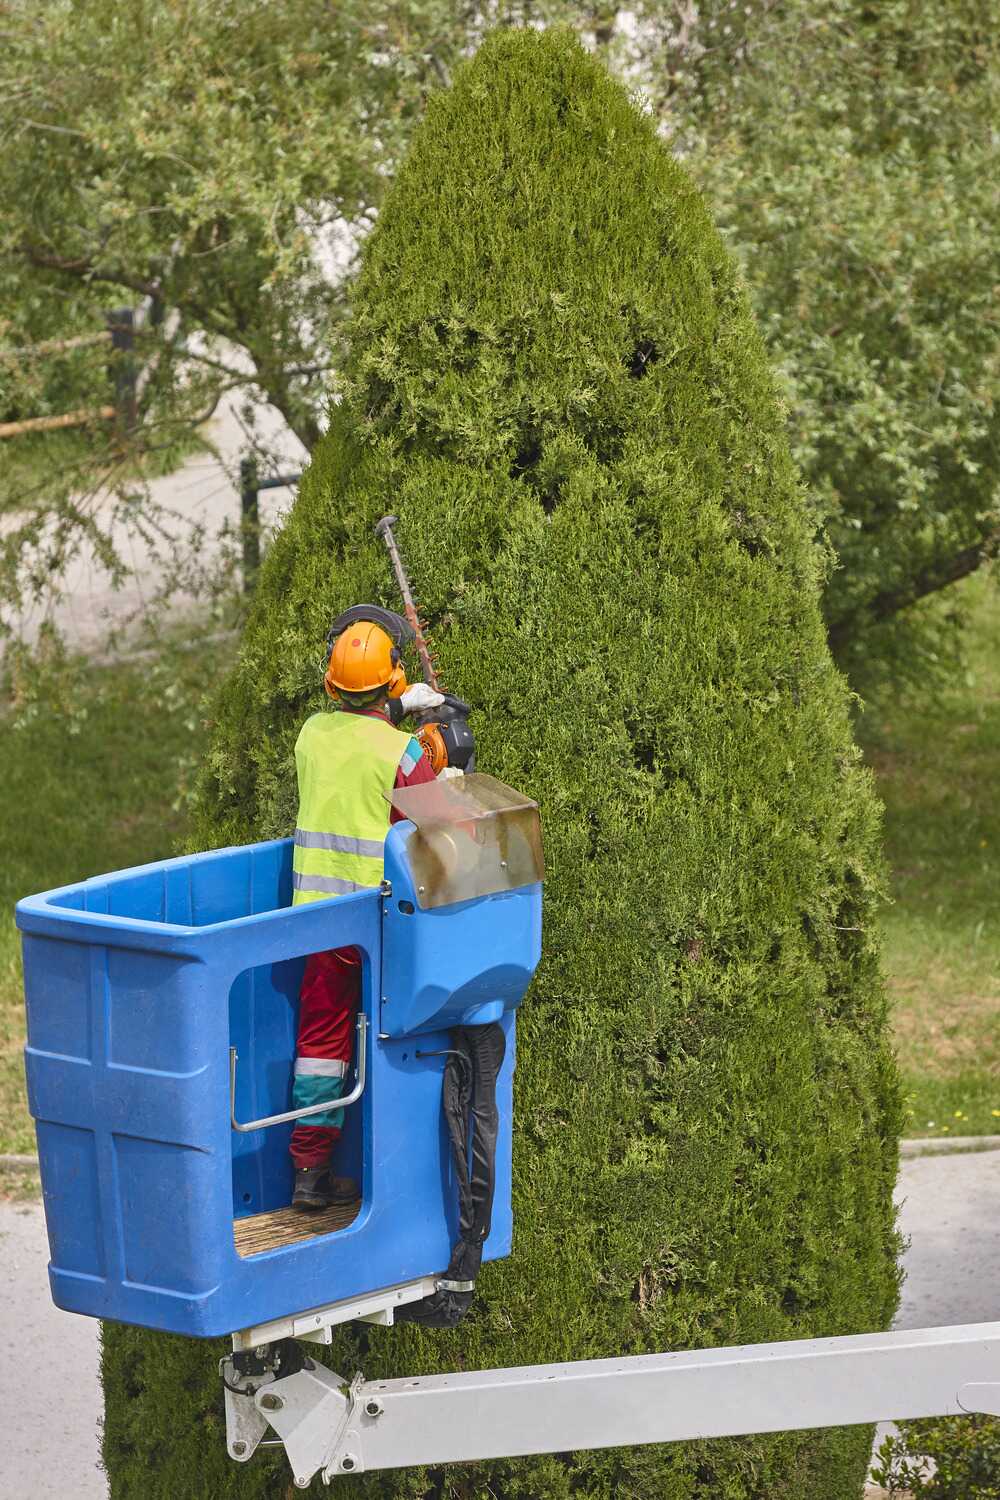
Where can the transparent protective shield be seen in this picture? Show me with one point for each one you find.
(474, 837)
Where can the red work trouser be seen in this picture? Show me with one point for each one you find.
(328, 1006)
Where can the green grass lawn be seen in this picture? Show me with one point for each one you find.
(938, 768)
(97, 761)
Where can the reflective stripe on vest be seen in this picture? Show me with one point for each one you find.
(371, 848)
(346, 765)
(324, 885)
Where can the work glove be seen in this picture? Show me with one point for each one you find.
(419, 698)
(448, 773)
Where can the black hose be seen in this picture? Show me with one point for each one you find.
(469, 1101)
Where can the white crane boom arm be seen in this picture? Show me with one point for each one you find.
(604, 1403)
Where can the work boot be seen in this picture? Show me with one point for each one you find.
(317, 1187)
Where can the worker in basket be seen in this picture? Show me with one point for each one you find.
(347, 764)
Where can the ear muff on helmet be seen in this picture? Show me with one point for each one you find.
(398, 629)
(397, 682)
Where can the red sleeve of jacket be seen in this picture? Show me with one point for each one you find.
(417, 776)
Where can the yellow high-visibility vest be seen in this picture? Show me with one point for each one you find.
(346, 765)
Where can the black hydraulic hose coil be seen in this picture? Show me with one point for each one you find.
(469, 1102)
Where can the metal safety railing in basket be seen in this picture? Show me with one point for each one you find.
(360, 1072)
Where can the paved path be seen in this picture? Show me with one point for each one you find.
(202, 493)
(951, 1214)
(48, 1379)
(49, 1389)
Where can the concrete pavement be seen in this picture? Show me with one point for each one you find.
(951, 1215)
(49, 1391)
(200, 498)
(49, 1386)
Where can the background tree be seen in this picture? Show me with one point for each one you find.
(212, 163)
(218, 164)
(554, 372)
(849, 154)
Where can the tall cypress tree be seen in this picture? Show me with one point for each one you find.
(557, 385)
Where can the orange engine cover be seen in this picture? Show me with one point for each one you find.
(433, 745)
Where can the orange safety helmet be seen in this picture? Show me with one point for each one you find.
(364, 659)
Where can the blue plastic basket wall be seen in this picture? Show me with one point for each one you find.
(138, 983)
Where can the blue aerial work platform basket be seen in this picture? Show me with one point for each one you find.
(139, 984)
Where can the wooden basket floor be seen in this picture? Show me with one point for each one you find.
(288, 1226)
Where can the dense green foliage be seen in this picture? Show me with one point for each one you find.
(849, 156)
(555, 381)
(217, 162)
(197, 160)
(963, 1454)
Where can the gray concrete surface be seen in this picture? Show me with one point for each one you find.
(49, 1392)
(202, 494)
(49, 1389)
(951, 1214)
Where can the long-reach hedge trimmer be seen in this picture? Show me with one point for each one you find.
(443, 732)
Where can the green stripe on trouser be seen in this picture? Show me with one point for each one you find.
(309, 1089)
